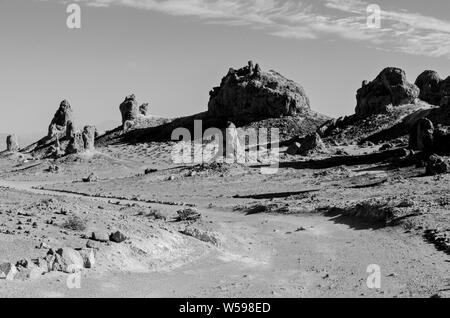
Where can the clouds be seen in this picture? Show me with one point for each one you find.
(401, 31)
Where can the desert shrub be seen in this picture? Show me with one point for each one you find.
(75, 223)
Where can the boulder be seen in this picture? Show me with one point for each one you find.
(437, 165)
(88, 256)
(143, 109)
(8, 271)
(117, 237)
(294, 149)
(429, 83)
(129, 109)
(91, 178)
(250, 93)
(311, 144)
(67, 260)
(390, 87)
(63, 115)
(12, 143)
(100, 236)
(89, 137)
(422, 135)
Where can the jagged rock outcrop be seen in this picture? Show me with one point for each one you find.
(63, 115)
(390, 87)
(253, 93)
(429, 83)
(12, 143)
(129, 109)
(70, 130)
(89, 137)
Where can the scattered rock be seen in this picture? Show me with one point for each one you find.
(117, 237)
(442, 294)
(252, 93)
(386, 147)
(149, 171)
(390, 87)
(12, 143)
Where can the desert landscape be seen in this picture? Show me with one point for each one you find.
(312, 211)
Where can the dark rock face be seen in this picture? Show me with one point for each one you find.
(63, 115)
(89, 137)
(129, 109)
(390, 87)
(12, 143)
(429, 83)
(256, 94)
(421, 136)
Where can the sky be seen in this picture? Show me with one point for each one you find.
(170, 53)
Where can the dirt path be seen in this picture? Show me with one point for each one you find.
(274, 256)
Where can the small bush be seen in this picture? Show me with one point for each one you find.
(75, 223)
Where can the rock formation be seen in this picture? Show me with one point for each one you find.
(422, 135)
(249, 92)
(311, 144)
(445, 93)
(390, 87)
(429, 83)
(89, 137)
(143, 109)
(76, 144)
(70, 130)
(12, 143)
(63, 115)
(129, 109)
(231, 143)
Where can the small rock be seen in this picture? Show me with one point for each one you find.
(100, 236)
(117, 237)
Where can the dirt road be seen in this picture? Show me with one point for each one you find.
(265, 255)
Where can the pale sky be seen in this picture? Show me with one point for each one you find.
(172, 52)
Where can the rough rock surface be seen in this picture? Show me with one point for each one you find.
(422, 135)
(256, 94)
(12, 143)
(310, 144)
(390, 87)
(143, 109)
(429, 83)
(294, 149)
(63, 115)
(76, 144)
(129, 109)
(445, 92)
(437, 165)
(70, 130)
(89, 137)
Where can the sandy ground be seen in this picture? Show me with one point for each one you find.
(278, 235)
